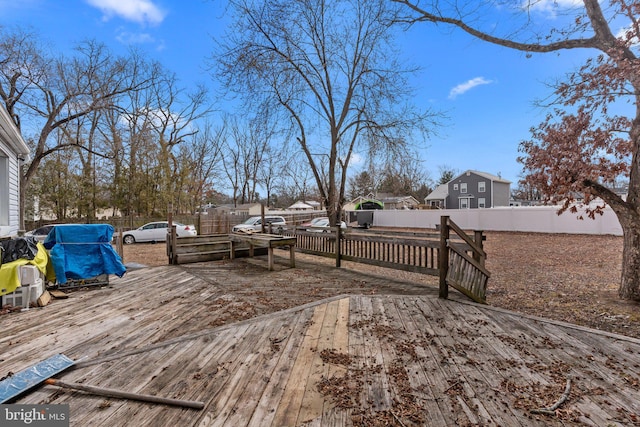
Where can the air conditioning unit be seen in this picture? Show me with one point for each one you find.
(32, 286)
(29, 274)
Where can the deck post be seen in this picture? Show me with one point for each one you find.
(443, 256)
(478, 237)
(119, 240)
(338, 237)
(173, 258)
(170, 235)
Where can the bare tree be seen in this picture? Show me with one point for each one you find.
(54, 92)
(271, 170)
(361, 184)
(199, 165)
(331, 70)
(296, 183)
(583, 145)
(402, 177)
(247, 145)
(172, 116)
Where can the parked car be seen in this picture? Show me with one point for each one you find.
(156, 232)
(322, 225)
(255, 223)
(40, 233)
(313, 222)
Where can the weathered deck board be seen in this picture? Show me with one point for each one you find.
(408, 359)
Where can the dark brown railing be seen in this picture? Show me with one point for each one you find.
(461, 266)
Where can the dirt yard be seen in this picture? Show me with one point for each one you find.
(573, 278)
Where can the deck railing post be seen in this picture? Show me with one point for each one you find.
(338, 239)
(443, 256)
(170, 234)
(172, 238)
(478, 237)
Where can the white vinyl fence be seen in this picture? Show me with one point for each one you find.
(538, 219)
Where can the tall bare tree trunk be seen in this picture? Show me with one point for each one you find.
(630, 277)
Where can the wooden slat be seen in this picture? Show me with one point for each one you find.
(272, 394)
(288, 412)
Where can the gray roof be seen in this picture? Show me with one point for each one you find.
(440, 193)
(396, 199)
(487, 175)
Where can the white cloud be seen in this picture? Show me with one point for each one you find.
(628, 33)
(142, 11)
(132, 38)
(467, 86)
(550, 7)
(356, 159)
(128, 38)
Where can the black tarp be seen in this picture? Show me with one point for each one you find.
(20, 247)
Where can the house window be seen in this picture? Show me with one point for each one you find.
(463, 187)
(481, 187)
(464, 203)
(481, 202)
(455, 187)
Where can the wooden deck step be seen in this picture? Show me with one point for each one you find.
(187, 245)
(203, 256)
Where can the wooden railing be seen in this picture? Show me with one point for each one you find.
(400, 252)
(453, 255)
(461, 266)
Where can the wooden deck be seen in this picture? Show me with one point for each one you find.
(358, 359)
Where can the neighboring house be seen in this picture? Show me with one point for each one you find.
(315, 205)
(351, 206)
(300, 206)
(438, 197)
(399, 202)
(247, 209)
(13, 151)
(471, 190)
(355, 203)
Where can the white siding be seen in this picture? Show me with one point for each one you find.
(12, 147)
(9, 193)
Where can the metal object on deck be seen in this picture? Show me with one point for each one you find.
(14, 385)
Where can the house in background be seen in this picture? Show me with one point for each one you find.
(471, 190)
(437, 199)
(317, 206)
(351, 206)
(398, 202)
(246, 209)
(300, 206)
(13, 151)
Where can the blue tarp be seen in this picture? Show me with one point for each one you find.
(83, 251)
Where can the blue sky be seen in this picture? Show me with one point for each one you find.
(487, 92)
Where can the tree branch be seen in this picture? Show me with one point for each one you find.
(425, 16)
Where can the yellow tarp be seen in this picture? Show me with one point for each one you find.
(10, 278)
